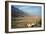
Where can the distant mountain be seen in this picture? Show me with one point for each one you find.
(16, 12)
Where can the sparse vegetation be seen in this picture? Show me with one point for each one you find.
(21, 22)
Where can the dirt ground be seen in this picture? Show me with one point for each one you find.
(25, 22)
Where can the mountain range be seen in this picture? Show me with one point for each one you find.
(17, 12)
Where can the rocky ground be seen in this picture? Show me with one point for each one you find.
(26, 22)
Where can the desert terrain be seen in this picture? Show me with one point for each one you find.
(26, 22)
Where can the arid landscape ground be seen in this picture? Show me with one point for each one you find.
(26, 22)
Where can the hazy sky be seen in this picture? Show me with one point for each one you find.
(31, 10)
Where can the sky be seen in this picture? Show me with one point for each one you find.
(30, 10)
